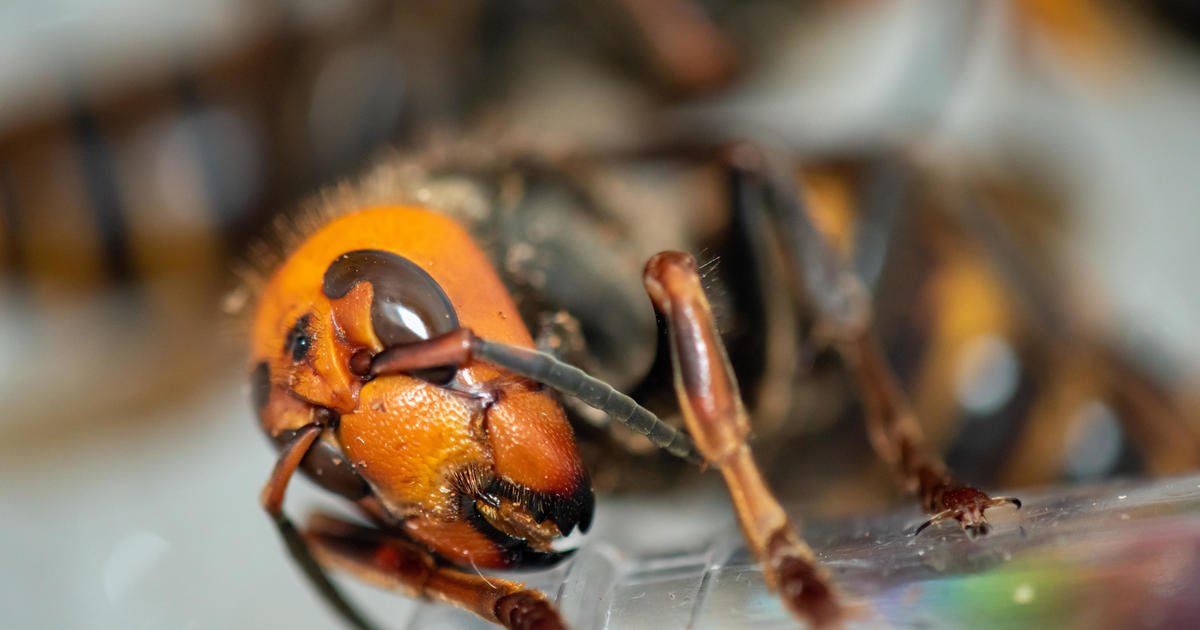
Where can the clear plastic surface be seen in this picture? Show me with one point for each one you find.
(1119, 555)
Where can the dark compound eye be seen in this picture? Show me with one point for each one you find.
(298, 340)
(408, 304)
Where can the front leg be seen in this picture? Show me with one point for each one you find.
(271, 499)
(716, 418)
(394, 563)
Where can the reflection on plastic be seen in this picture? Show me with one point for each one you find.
(1107, 556)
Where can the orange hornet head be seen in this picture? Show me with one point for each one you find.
(476, 463)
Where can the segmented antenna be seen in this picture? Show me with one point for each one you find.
(572, 381)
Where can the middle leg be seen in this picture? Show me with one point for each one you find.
(844, 315)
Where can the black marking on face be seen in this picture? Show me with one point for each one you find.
(517, 552)
(565, 511)
(260, 387)
(298, 340)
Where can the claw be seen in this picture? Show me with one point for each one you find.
(934, 520)
(999, 501)
(967, 505)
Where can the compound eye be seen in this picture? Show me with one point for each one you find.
(408, 304)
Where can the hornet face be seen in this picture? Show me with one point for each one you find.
(476, 463)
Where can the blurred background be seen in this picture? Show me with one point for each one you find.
(1016, 180)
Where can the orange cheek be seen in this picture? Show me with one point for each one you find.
(405, 437)
(532, 443)
(323, 377)
(308, 383)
